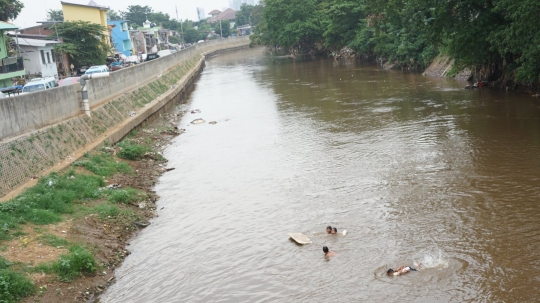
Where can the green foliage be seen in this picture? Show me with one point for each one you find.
(53, 240)
(46, 201)
(10, 9)
(83, 42)
(224, 27)
(105, 210)
(13, 285)
(103, 164)
(131, 150)
(125, 196)
(175, 40)
(55, 15)
(79, 261)
(136, 14)
(243, 16)
(113, 15)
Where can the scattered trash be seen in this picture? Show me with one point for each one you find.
(108, 149)
(51, 183)
(132, 114)
(212, 122)
(196, 111)
(112, 186)
(142, 205)
(71, 177)
(64, 232)
(198, 121)
(139, 224)
(169, 169)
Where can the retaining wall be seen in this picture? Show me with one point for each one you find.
(20, 114)
(27, 156)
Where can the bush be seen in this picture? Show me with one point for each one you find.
(104, 210)
(13, 286)
(103, 164)
(130, 150)
(125, 196)
(79, 261)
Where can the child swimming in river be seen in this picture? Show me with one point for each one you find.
(402, 270)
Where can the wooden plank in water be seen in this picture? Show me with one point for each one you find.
(300, 238)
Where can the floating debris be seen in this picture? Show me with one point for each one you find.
(212, 122)
(196, 111)
(198, 121)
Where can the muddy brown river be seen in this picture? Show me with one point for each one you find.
(416, 169)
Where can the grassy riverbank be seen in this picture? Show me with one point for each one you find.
(62, 238)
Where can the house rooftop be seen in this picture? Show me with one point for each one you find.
(36, 42)
(214, 12)
(228, 14)
(92, 4)
(7, 26)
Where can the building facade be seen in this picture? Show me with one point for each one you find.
(39, 57)
(120, 37)
(92, 13)
(10, 66)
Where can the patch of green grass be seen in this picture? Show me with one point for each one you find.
(105, 210)
(125, 196)
(79, 261)
(13, 285)
(42, 204)
(131, 150)
(103, 164)
(53, 240)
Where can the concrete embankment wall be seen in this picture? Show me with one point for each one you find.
(53, 147)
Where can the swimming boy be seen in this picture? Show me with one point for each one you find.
(402, 270)
(334, 231)
(329, 229)
(327, 252)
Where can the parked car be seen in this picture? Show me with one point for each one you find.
(200, 41)
(38, 84)
(97, 69)
(69, 81)
(152, 56)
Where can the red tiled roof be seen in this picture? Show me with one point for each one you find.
(214, 12)
(228, 14)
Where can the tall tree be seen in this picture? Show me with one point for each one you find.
(55, 15)
(136, 14)
(10, 9)
(83, 42)
(113, 15)
(224, 27)
(244, 14)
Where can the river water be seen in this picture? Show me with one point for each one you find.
(416, 169)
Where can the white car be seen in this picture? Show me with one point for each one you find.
(97, 69)
(38, 84)
(200, 41)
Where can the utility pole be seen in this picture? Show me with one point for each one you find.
(220, 28)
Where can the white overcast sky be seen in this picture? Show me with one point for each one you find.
(36, 10)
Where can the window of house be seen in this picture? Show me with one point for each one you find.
(48, 58)
(42, 56)
(53, 55)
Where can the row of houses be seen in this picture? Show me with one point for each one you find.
(35, 50)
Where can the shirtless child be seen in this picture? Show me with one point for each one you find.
(327, 252)
(402, 270)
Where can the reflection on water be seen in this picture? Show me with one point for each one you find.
(416, 169)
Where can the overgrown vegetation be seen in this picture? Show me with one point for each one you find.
(131, 150)
(498, 39)
(103, 164)
(79, 261)
(14, 285)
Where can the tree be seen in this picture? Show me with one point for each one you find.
(113, 15)
(244, 14)
(83, 42)
(136, 14)
(55, 15)
(10, 9)
(224, 27)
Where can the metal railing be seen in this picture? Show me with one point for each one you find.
(11, 64)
